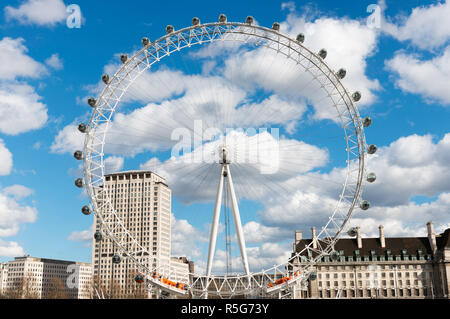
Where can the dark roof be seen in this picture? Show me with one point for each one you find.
(395, 244)
(443, 240)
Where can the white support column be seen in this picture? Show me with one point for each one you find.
(215, 225)
(237, 222)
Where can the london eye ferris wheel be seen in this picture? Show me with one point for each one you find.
(306, 166)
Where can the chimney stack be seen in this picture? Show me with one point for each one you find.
(432, 237)
(314, 237)
(382, 240)
(358, 238)
(298, 236)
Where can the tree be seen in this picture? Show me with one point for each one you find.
(56, 289)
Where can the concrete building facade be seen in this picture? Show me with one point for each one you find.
(31, 277)
(3, 276)
(142, 200)
(400, 267)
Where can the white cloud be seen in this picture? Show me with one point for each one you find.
(255, 233)
(410, 166)
(186, 239)
(348, 42)
(260, 257)
(6, 161)
(10, 249)
(113, 164)
(16, 63)
(13, 214)
(39, 12)
(82, 236)
(274, 161)
(428, 78)
(55, 62)
(20, 106)
(69, 139)
(427, 27)
(20, 109)
(18, 191)
(406, 220)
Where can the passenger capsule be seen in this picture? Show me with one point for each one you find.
(313, 276)
(139, 278)
(341, 73)
(352, 232)
(371, 149)
(98, 236)
(323, 53)
(169, 29)
(123, 58)
(222, 18)
(116, 259)
(145, 41)
(367, 122)
(276, 26)
(92, 101)
(79, 182)
(356, 96)
(334, 255)
(195, 21)
(371, 177)
(86, 210)
(82, 127)
(105, 78)
(78, 155)
(301, 37)
(249, 20)
(364, 205)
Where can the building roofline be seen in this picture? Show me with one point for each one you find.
(137, 171)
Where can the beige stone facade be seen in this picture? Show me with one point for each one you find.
(142, 200)
(31, 277)
(3, 276)
(413, 267)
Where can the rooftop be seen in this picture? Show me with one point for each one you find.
(394, 244)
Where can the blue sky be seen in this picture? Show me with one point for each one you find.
(405, 71)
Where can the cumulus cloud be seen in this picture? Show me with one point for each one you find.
(411, 166)
(39, 12)
(16, 62)
(68, 140)
(186, 239)
(55, 62)
(18, 191)
(6, 160)
(10, 249)
(427, 77)
(406, 220)
(349, 43)
(82, 236)
(260, 257)
(13, 214)
(258, 159)
(20, 109)
(113, 164)
(427, 27)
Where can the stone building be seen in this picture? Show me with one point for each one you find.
(142, 200)
(383, 267)
(3, 276)
(31, 277)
